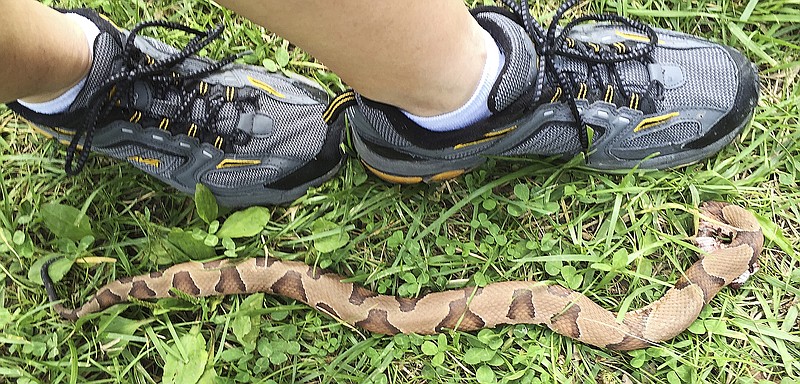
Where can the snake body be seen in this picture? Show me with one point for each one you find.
(562, 310)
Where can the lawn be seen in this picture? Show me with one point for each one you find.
(620, 238)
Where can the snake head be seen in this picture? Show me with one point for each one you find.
(723, 225)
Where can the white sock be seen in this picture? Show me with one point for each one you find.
(61, 103)
(477, 107)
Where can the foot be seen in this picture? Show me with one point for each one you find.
(250, 136)
(624, 93)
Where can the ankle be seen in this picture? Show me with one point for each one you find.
(75, 68)
(456, 81)
(476, 107)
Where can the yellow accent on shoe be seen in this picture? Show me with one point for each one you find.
(609, 94)
(164, 124)
(595, 47)
(49, 135)
(266, 87)
(104, 17)
(234, 163)
(218, 142)
(486, 137)
(634, 104)
(448, 175)
(557, 95)
(634, 36)
(653, 121)
(393, 178)
(42, 132)
(500, 132)
(136, 117)
(620, 47)
(63, 131)
(337, 102)
(146, 161)
(203, 88)
(471, 143)
(192, 130)
(583, 91)
(230, 92)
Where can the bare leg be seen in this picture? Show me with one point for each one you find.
(420, 55)
(44, 52)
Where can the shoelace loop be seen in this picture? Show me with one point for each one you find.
(552, 43)
(157, 71)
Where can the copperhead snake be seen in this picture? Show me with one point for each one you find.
(564, 311)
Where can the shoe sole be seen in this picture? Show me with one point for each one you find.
(377, 165)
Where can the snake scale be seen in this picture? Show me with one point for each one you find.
(729, 235)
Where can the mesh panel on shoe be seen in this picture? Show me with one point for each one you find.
(241, 178)
(105, 50)
(635, 76)
(381, 123)
(518, 61)
(553, 139)
(675, 134)
(227, 119)
(296, 131)
(710, 78)
(575, 66)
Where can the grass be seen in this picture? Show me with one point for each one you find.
(512, 219)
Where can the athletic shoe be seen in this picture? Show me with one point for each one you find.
(622, 92)
(252, 137)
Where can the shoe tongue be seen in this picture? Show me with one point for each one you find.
(519, 70)
(166, 103)
(635, 75)
(106, 48)
(144, 98)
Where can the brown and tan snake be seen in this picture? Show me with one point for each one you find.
(564, 311)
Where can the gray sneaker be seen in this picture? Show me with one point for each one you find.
(252, 137)
(624, 93)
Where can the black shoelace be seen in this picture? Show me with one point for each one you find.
(552, 43)
(158, 73)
